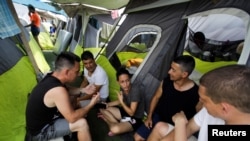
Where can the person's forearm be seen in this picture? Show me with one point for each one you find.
(113, 103)
(180, 132)
(84, 97)
(127, 109)
(27, 25)
(75, 91)
(152, 107)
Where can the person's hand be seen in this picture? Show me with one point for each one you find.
(148, 123)
(90, 89)
(180, 118)
(95, 99)
(120, 96)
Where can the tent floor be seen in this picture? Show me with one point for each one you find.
(99, 129)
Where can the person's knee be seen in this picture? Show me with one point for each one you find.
(138, 137)
(115, 129)
(162, 129)
(83, 124)
(80, 125)
(160, 125)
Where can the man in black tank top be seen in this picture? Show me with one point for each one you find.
(51, 98)
(176, 93)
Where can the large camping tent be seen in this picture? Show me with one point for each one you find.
(22, 64)
(171, 22)
(168, 22)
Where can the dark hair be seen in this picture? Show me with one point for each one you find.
(121, 71)
(186, 62)
(87, 55)
(66, 59)
(31, 7)
(199, 36)
(229, 84)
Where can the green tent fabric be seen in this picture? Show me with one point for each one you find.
(39, 56)
(45, 41)
(125, 56)
(111, 72)
(204, 66)
(16, 83)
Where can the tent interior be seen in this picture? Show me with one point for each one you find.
(145, 39)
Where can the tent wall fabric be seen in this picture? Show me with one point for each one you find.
(172, 19)
(17, 79)
(8, 27)
(8, 61)
(168, 19)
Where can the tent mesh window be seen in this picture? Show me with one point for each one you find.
(212, 50)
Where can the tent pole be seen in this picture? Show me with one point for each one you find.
(110, 35)
(25, 41)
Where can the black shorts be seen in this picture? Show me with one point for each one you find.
(35, 30)
(135, 122)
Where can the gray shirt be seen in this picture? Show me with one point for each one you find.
(135, 96)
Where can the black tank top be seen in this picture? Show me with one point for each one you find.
(173, 101)
(37, 114)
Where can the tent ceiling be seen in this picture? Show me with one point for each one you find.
(41, 6)
(107, 4)
(139, 5)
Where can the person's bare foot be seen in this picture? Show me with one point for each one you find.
(110, 134)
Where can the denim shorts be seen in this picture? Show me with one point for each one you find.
(144, 131)
(58, 128)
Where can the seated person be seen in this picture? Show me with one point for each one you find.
(195, 47)
(176, 92)
(49, 112)
(125, 114)
(94, 74)
(222, 99)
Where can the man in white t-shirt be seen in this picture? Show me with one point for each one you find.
(93, 74)
(224, 93)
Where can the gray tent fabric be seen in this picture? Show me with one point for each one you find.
(198, 5)
(172, 20)
(168, 19)
(10, 54)
(93, 35)
(62, 41)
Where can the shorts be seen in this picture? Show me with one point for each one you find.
(171, 127)
(58, 128)
(135, 122)
(35, 30)
(144, 131)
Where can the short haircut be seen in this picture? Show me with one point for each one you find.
(31, 7)
(199, 36)
(87, 55)
(229, 84)
(122, 71)
(186, 62)
(66, 60)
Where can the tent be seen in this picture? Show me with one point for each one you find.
(164, 26)
(22, 66)
(169, 23)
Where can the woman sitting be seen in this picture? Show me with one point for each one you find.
(125, 114)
